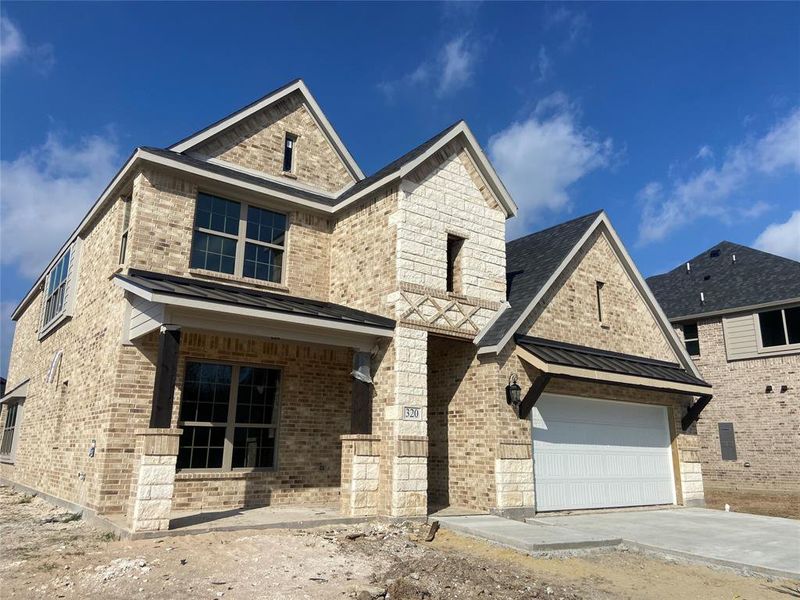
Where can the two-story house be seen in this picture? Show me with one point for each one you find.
(245, 319)
(737, 310)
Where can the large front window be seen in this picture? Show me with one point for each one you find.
(229, 417)
(238, 239)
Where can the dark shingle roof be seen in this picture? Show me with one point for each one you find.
(183, 287)
(571, 355)
(242, 176)
(755, 277)
(396, 164)
(530, 261)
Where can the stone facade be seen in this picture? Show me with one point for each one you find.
(766, 425)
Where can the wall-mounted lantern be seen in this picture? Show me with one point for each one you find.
(513, 391)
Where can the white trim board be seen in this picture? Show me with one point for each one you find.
(238, 116)
(602, 221)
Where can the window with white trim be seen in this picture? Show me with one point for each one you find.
(238, 239)
(289, 143)
(10, 427)
(126, 223)
(691, 339)
(57, 288)
(229, 417)
(780, 327)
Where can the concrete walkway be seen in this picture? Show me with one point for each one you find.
(528, 538)
(768, 545)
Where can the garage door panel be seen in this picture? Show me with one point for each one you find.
(595, 454)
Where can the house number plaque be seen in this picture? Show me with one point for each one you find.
(412, 413)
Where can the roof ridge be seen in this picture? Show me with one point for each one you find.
(595, 213)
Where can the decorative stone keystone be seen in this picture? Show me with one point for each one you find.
(154, 478)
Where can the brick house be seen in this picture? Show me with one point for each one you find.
(738, 311)
(245, 319)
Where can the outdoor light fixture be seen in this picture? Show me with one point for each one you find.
(768, 390)
(513, 390)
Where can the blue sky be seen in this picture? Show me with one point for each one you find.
(681, 120)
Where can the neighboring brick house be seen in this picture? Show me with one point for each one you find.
(738, 311)
(245, 319)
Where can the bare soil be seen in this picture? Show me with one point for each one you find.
(47, 553)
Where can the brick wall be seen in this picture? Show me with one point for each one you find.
(766, 426)
(568, 313)
(315, 404)
(257, 143)
(363, 253)
(62, 418)
(162, 218)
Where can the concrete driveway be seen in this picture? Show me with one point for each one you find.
(769, 545)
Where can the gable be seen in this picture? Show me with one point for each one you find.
(568, 311)
(256, 143)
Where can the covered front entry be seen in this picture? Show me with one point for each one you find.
(591, 453)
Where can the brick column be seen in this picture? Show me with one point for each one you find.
(513, 473)
(154, 478)
(407, 450)
(360, 475)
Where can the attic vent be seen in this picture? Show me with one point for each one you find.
(706, 277)
(714, 253)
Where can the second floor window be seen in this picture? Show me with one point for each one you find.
(57, 289)
(288, 152)
(691, 338)
(780, 327)
(238, 239)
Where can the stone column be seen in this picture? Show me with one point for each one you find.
(691, 473)
(154, 478)
(360, 475)
(513, 474)
(407, 450)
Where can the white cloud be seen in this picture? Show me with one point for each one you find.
(45, 192)
(14, 46)
(705, 152)
(540, 157)
(450, 70)
(712, 191)
(456, 60)
(576, 25)
(544, 64)
(782, 238)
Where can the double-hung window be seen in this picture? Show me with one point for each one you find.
(779, 327)
(10, 426)
(57, 288)
(229, 417)
(238, 239)
(691, 339)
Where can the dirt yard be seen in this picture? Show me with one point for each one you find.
(47, 553)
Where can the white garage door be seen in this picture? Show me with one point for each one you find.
(596, 453)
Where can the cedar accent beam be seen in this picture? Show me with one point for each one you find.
(694, 411)
(533, 394)
(169, 342)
